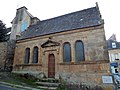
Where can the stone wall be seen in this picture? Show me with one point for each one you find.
(10, 55)
(95, 49)
(3, 50)
(89, 72)
(6, 55)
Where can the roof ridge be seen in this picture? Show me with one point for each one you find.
(68, 14)
(61, 16)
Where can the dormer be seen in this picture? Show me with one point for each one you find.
(113, 45)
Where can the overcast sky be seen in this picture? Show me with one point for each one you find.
(45, 9)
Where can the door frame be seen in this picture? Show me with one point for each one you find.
(51, 66)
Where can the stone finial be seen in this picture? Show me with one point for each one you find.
(97, 4)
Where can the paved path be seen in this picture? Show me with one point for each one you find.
(8, 86)
(3, 87)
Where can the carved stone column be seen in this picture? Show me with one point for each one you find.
(31, 55)
(40, 54)
(73, 53)
(61, 54)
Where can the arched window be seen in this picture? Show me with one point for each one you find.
(35, 55)
(27, 55)
(79, 51)
(66, 52)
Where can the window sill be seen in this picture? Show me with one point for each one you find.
(84, 62)
(32, 64)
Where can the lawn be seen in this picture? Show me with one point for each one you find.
(17, 79)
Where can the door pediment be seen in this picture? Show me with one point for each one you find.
(50, 43)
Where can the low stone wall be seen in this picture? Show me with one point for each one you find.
(10, 55)
(3, 50)
(6, 55)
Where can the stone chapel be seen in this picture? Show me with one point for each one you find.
(72, 46)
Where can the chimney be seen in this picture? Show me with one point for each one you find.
(19, 13)
(22, 8)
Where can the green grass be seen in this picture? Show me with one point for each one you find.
(17, 79)
(62, 87)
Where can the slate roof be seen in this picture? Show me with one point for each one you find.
(8, 30)
(109, 44)
(72, 21)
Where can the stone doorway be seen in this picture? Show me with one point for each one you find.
(51, 66)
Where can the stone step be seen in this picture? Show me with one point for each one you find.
(47, 88)
(48, 84)
(52, 80)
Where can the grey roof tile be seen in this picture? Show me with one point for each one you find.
(109, 44)
(72, 21)
(8, 29)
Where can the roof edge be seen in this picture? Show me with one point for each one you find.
(97, 6)
(58, 32)
(68, 13)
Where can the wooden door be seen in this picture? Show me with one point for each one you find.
(51, 66)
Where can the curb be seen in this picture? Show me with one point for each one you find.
(18, 86)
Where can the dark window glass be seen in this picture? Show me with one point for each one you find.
(66, 52)
(79, 51)
(27, 55)
(116, 70)
(35, 55)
